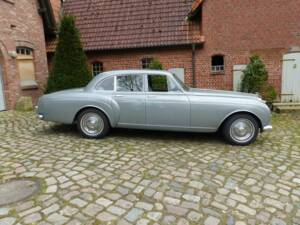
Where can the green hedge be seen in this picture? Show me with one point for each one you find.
(70, 68)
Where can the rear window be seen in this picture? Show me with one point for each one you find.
(106, 85)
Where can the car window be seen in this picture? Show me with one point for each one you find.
(157, 83)
(106, 85)
(181, 83)
(130, 83)
(161, 83)
(173, 87)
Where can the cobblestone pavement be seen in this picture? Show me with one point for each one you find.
(139, 177)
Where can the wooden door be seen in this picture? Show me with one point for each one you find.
(291, 78)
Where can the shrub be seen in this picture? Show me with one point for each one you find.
(255, 75)
(268, 93)
(256, 80)
(70, 69)
(155, 65)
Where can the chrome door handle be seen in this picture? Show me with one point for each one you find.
(120, 96)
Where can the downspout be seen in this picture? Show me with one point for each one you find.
(194, 65)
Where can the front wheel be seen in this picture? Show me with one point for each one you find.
(241, 129)
(92, 123)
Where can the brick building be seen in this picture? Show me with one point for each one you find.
(24, 27)
(209, 41)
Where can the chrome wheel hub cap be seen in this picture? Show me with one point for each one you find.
(92, 124)
(242, 130)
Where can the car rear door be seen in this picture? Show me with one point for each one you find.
(130, 97)
(167, 106)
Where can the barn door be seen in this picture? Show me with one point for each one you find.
(2, 103)
(291, 78)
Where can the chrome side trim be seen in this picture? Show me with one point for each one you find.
(268, 128)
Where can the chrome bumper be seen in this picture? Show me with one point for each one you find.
(267, 128)
(40, 116)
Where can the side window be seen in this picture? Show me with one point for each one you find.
(130, 83)
(106, 85)
(161, 83)
(157, 83)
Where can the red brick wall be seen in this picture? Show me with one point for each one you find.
(234, 28)
(14, 31)
(238, 29)
(56, 6)
(130, 59)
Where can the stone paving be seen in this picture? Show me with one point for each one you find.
(142, 177)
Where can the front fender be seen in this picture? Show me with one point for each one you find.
(260, 111)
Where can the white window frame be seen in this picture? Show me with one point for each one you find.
(101, 68)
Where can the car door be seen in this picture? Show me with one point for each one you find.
(167, 106)
(130, 97)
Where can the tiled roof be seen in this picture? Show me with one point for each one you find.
(122, 24)
(195, 6)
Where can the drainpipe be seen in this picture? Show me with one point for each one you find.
(194, 65)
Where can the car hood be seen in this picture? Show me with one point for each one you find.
(230, 94)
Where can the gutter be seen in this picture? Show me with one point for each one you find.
(194, 65)
(45, 10)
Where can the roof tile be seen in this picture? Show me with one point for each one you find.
(118, 24)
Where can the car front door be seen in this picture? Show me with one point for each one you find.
(130, 97)
(167, 106)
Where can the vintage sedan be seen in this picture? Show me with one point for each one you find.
(156, 100)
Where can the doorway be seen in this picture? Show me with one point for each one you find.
(291, 78)
(238, 75)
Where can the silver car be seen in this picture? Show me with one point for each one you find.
(156, 100)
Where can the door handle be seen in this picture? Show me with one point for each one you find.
(120, 96)
(152, 96)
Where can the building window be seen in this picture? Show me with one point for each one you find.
(145, 63)
(217, 64)
(97, 68)
(25, 60)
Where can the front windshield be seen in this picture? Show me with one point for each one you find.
(183, 85)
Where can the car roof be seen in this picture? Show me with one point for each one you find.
(124, 72)
(107, 74)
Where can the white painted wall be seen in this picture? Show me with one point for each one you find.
(291, 78)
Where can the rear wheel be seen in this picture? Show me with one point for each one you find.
(92, 123)
(241, 129)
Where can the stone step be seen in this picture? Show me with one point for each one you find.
(278, 104)
(288, 108)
